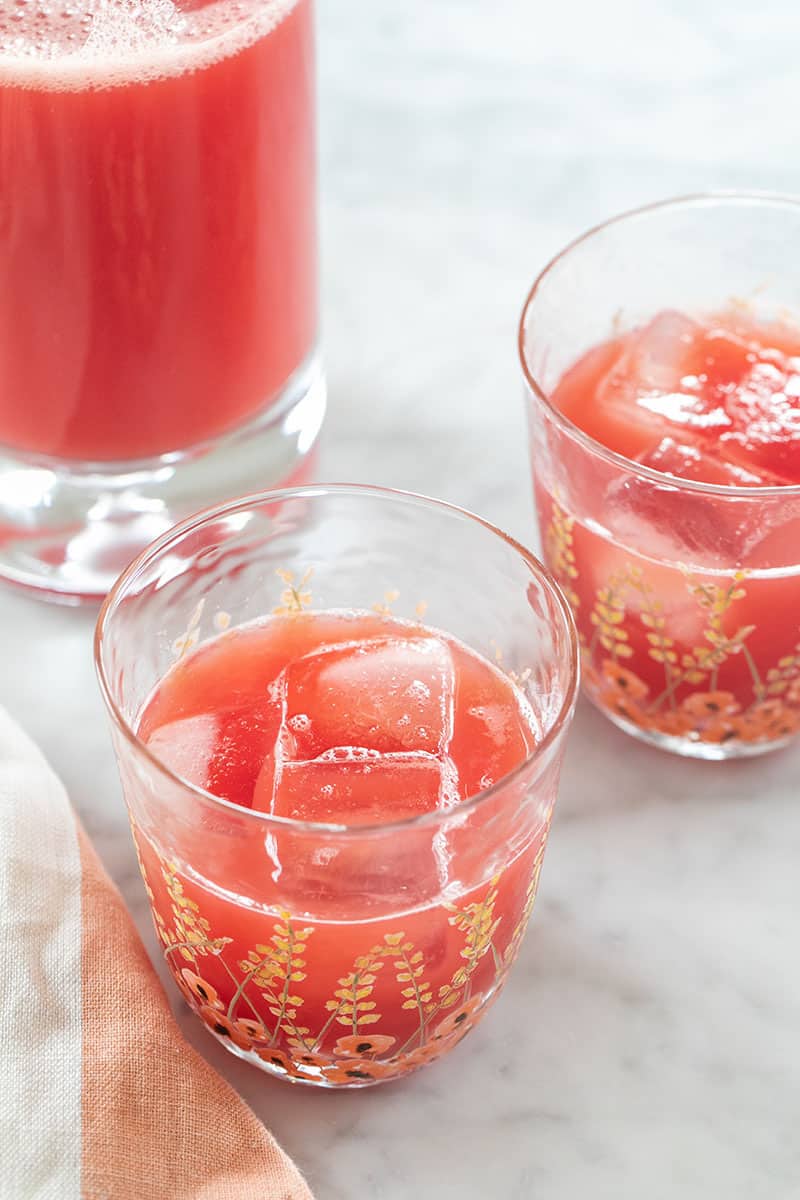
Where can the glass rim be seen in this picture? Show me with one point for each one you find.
(268, 820)
(731, 197)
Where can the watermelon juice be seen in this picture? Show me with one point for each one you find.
(687, 598)
(157, 221)
(362, 959)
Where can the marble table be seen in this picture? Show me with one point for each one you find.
(647, 1043)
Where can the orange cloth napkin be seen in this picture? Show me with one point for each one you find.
(100, 1097)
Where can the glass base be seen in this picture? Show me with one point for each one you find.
(67, 530)
(689, 747)
(310, 1078)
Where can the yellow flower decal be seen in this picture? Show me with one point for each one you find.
(560, 552)
(629, 625)
(254, 999)
(296, 595)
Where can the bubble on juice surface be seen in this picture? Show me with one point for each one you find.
(349, 754)
(90, 44)
(299, 723)
(495, 719)
(123, 28)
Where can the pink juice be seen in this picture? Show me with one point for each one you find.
(714, 400)
(362, 960)
(688, 604)
(157, 223)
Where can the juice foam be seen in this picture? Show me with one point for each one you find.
(91, 44)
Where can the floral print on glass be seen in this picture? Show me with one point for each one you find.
(677, 652)
(408, 996)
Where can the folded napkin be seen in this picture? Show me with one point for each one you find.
(100, 1097)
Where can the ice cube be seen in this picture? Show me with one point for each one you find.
(187, 746)
(357, 787)
(245, 737)
(706, 462)
(660, 353)
(392, 695)
(720, 360)
(353, 786)
(759, 389)
(674, 526)
(776, 462)
(765, 411)
(775, 544)
(712, 531)
(649, 387)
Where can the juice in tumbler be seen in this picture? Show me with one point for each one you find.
(688, 605)
(358, 719)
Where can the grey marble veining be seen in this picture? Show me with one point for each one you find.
(647, 1044)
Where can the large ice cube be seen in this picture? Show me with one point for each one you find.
(765, 410)
(392, 695)
(357, 787)
(352, 786)
(649, 388)
(659, 355)
(673, 525)
(720, 360)
(222, 752)
(703, 462)
(187, 746)
(776, 544)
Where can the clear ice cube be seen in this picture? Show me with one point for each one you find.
(659, 355)
(187, 746)
(707, 463)
(352, 786)
(765, 409)
(392, 695)
(364, 735)
(649, 389)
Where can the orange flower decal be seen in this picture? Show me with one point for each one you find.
(218, 1023)
(720, 730)
(426, 1053)
(677, 723)
(263, 1007)
(200, 989)
(357, 1046)
(253, 1030)
(274, 1057)
(624, 706)
(359, 1071)
(710, 704)
(458, 1021)
(769, 719)
(623, 681)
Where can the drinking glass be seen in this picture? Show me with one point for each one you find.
(329, 954)
(686, 594)
(158, 314)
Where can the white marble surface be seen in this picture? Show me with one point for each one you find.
(647, 1044)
